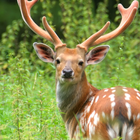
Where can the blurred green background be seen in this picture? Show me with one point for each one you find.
(28, 109)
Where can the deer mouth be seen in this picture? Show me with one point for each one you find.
(69, 79)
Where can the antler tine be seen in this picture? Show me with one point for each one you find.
(87, 43)
(58, 42)
(25, 7)
(127, 18)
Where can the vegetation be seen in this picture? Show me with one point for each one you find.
(28, 109)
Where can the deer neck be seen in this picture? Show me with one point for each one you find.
(71, 97)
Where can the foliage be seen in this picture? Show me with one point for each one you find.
(5, 10)
(27, 85)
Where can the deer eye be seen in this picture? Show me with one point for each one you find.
(57, 61)
(80, 63)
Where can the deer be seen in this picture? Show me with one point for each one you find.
(95, 114)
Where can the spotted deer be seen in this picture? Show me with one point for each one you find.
(97, 114)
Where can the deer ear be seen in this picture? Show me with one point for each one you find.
(44, 52)
(97, 54)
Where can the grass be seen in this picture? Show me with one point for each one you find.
(28, 108)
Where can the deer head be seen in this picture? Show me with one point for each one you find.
(70, 63)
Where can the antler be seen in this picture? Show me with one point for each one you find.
(25, 7)
(127, 17)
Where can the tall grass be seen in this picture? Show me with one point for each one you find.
(28, 107)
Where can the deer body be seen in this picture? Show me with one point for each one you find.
(97, 114)
(91, 111)
(107, 114)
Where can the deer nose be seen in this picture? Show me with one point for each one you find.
(67, 73)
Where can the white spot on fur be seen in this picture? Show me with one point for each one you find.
(103, 114)
(137, 97)
(127, 96)
(88, 109)
(96, 99)
(128, 110)
(130, 131)
(136, 90)
(112, 111)
(112, 97)
(96, 119)
(91, 130)
(91, 99)
(112, 114)
(124, 131)
(111, 133)
(138, 94)
(91, 116)
(113, 88)
(90, 92)
(113, 104)
(127, 133)
(138, 116)
(134, 117)
(106, 90)
(104, 96)
(125, 90)
(113, 91)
